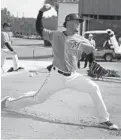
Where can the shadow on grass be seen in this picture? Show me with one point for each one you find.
(13, 114)
(108, 80)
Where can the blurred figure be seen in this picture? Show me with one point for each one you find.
(119, 41)
(7, 50)
(107, 44)
(90, 38)
(83, 57)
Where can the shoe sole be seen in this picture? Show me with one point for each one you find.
(107, 127)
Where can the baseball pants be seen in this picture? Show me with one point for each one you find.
(5, 54)
(56, 82)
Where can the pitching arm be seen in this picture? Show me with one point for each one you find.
(44, 33)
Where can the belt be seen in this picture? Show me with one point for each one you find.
(61, 72)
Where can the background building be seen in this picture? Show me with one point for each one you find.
(101, 14)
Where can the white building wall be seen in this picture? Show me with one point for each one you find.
(65, 9)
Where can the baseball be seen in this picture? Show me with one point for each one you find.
(31, 74)
(47, 6)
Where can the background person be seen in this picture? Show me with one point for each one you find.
(90, 38)
(119, 41)
(7, 50)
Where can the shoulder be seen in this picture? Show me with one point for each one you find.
(83, 39)
(79, 36)
(58, 33)
(3, 34)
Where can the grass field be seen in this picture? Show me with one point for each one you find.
(67, 114)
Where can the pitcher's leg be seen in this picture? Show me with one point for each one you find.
(53, 84)
(24, 100)
(86, 85)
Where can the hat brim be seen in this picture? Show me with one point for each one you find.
(80, 20)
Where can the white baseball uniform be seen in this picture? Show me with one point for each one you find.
(63, 74)
(5, 52)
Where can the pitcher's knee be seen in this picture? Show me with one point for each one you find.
(94, 85)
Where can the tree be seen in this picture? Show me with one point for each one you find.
(5, 16)
(20, 25)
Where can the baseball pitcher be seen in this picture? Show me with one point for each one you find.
(67, 47)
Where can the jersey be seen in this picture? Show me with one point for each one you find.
(5, 38)
(67, 49)
(93, 42)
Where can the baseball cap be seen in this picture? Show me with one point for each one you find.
(73, 16)
(90, 34)
(6, 25)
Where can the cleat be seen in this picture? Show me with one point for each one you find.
(109, 125)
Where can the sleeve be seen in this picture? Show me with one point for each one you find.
(48, 34)
(94, 43)
(83, 45)
(44, 33)
(4, 38)
(86, 46)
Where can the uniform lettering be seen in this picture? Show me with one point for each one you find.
(75, 45)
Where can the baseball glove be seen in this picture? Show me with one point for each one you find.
(97, 71)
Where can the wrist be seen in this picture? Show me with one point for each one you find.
(41, 11)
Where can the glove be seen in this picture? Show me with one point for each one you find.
(96, 70)
(89, 58)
